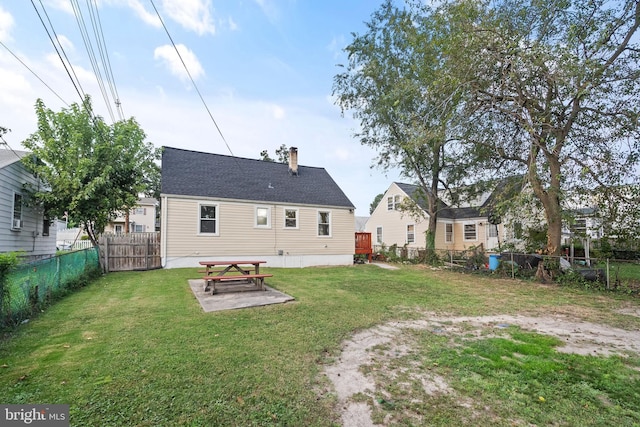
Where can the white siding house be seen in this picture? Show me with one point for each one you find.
(22, 228)
(217, 207)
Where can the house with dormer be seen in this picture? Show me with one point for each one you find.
(459, 227)
(219, 207)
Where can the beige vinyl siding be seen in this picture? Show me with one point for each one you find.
(237, 233)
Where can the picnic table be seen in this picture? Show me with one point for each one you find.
(233, 272)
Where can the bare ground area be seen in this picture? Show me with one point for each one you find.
(356, 386)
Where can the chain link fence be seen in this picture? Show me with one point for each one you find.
(32, 286)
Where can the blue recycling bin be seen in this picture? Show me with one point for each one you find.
(494, 261)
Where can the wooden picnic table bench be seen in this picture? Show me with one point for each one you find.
(233, 272)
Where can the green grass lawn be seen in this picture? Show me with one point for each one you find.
(136, 349)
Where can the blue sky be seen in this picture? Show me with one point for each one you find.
(265, 69)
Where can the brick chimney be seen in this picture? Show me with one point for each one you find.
(293, 160)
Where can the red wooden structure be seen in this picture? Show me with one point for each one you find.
(363, 244)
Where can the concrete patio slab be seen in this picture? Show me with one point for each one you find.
(230, 297)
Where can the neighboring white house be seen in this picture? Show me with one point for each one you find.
(142, 218)
(22, 228)
(458, 228)
(217, 207)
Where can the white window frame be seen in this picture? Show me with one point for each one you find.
(379, 238)
(16, 212)
(396, 202)
(464, 232)
(216, 219)
(390, 206)
(268, 211)
(138, 228)
(411, 233)
(296, 219)
(449, 237)
(320, 212)
(491, 230)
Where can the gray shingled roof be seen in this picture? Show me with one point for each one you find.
(505, 188)
(193, 173)
(8, 157)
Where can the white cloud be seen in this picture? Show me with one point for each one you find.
(148, 17)
(336, 46)
(193, 15)
(168, 56)
(232, 24)
(278, 112)
(63, 5)
(65, 42)
(6, 23)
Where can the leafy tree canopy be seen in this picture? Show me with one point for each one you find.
(90, 170)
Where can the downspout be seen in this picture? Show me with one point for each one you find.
(163, 231)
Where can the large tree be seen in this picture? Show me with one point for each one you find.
(398, 88)
(91, 171)
(552, 91)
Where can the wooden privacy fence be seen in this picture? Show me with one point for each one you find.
(127, 252)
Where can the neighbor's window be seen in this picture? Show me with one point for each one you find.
(140, 211)
(389, 203)
(138, 228)
(324, 223)
(493, 230)
(411, 233)
(16, 222)
(448, 232)
(209, 219)
(291, 218)
(45, 226)
(379, 235)
(263, 217)
(470, 232)
(396, 202)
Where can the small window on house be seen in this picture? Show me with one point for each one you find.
(138, 228)
(290, 218)
(324, 223)
(379, 235)
(263, 217)
(389, 203)
(16, 219)
(118, 229)
(140, 211)
(45, 226)
(493, 230)
(411, 233)
(448, 232)
(209, 219)
(396, 202)
(470, 232)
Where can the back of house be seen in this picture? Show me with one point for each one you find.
(218, 207)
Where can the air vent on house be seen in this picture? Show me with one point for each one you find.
(17, 223)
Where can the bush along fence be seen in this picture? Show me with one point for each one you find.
(605, 273)
(28, 288)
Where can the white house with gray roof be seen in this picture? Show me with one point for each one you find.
(217, 207)
(23, 229)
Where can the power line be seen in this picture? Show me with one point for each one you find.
(191, 78)
(106, 64)
(79, 89)
(92, 57)
(34, 73)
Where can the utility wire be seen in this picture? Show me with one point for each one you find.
(191, 78)
(106, 64)
(77, 86)
(91, 53)
(34, 73)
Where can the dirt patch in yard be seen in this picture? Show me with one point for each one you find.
(358, 392)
